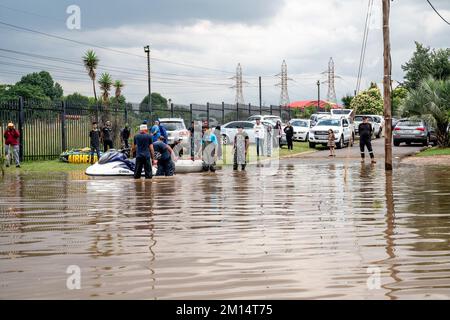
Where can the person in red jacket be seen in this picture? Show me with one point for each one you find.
(11, 136)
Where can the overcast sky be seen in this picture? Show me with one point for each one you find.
(197, 44)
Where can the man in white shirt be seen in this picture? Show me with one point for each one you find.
(259, 136)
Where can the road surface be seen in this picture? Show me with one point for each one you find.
(353, 153)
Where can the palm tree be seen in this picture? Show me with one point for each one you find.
(90, 61)
(118, 85)
(431, 101)
(105, 83)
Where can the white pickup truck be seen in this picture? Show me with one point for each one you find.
(342, 128)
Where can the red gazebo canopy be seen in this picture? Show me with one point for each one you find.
(313, 103)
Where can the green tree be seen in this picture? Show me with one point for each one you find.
(431, 101)
(347, 100)
(90, 61)
(77, 100)
(424, 63)
(158, 102)
(368, 102)
(398, 97)
(26, 91)
(44, 81)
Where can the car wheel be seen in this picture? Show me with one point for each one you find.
(396, 143)
(340, 144)
(312, 145)
(379, 134)
(225, 139)
(408, 143)
(426, 143)
(307, 137)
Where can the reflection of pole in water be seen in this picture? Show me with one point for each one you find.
(390, 230)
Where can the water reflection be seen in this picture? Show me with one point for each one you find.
(308, 231)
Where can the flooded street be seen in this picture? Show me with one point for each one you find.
(313, 230)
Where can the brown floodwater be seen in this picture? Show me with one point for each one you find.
(313, 230)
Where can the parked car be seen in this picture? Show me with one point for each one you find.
(413, 131)
(230, 129)
(342, 130)
(317, 116)
(301, 129)
(377, 129)
(176, 129)
(271, 118)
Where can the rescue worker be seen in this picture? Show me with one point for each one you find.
(365, 139)
(209, 149)
(143, 147)
(240, 149)
(163, 154)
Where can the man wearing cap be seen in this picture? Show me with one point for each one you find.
(143, 147)
(11, 136)
(155, 131)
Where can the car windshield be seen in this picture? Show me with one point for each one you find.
(173, 126)
(342, 111)
(409, 123)
(330, 123)
(303, 124)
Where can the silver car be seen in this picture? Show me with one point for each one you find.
(230, 129)
(413, 131)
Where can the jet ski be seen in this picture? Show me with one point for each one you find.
(116, 163)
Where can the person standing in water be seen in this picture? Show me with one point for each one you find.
(240, 149)
(209, 149)
(365, 139)
(12, 145)
(155, 131)
(163, 154)
(143, 147)
(94, 138)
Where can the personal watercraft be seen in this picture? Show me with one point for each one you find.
(116, 163)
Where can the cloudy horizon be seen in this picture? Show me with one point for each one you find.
(197, 45)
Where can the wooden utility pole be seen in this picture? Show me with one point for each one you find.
(387, 87)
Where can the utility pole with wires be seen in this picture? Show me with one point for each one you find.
(284, 96)
(387, 87)
(238, 86)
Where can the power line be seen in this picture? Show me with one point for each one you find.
(437, 12)
(108, 49)
(364, 45)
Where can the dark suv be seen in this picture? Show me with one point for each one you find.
(413, 131)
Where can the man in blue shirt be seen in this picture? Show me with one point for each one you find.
(163, 153)
(144, 153)
(210, 146)
(155, 131)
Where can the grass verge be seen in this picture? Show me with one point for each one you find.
(435, 151)
(47, 166)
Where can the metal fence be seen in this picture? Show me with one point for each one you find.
(49, 128)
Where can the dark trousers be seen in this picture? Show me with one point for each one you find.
(143, 162)
(365, 142)
(289, 143)
(165, 168)
(94, 149)
(126, 144)
(107, 144)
